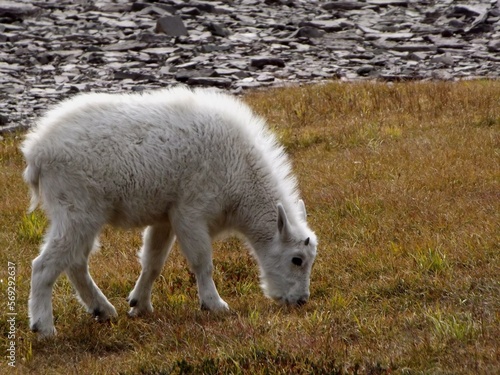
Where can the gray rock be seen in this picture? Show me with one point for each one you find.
(136, 76)
(205, 7)
(210, 81)
(125, 46)
(395, 36)
(308, 32)
(445, 59)
(388, 2)
(161, 50)
(494, 45)
(442, 75)
(186, 75)
(217, 29)
(343, 5)
(413, 47)
(365, 70)
(171, 25)
(440, 42)
(330, 25)
(260, 62)
(265, 77)
(227, 71)
(3, 120)
(11, 9)
(191, 11)
(417, 56)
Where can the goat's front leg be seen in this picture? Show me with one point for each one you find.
(195, 243)
(157, 243)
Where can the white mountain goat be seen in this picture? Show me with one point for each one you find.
(191, 164)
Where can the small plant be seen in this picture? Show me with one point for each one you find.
(245, 288)
(431, 260)
(339, 301)
(393, 131)
(176, 300)
(32, 227)
(254, 317)
(452, 327)
(487, 121)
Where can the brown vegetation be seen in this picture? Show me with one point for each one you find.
(402, 185)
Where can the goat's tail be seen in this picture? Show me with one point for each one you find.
(32, 177)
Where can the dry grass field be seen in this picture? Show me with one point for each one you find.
(402, 185)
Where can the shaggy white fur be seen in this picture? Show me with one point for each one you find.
(191, 164)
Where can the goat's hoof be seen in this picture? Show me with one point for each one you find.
(43, 333)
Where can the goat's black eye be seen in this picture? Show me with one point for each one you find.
(297, 261)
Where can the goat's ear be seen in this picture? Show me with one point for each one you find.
(283, 224)
(302, 208)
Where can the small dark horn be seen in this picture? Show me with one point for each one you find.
(306, 242)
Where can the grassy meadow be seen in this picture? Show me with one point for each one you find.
(402, 186)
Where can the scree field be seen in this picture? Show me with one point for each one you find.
(402, 186)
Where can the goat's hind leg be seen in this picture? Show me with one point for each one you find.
(56, 254)
(67, 248)
(157, 243)
(88, 292)
(46, 268)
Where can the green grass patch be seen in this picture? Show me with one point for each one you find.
(32, 227)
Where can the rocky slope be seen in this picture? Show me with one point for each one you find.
(52, 49)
